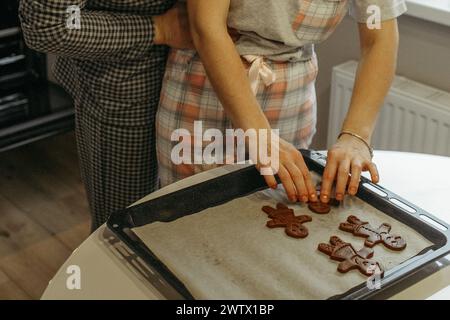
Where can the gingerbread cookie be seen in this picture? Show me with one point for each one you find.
(283, 217)
(350, 258)
(319, 207)
(332, 203)
(374, 235)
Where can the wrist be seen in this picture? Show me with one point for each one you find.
(255, 120)
(362, 132)
(349, 135)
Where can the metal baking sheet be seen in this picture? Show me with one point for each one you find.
(211, 193)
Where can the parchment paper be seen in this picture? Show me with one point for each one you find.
(227, 252)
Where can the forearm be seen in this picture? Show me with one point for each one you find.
(373, 80)
(223, 64)
(103, 35)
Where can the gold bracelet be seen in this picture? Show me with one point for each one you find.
(357, 136)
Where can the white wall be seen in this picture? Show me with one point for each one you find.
(424, 56)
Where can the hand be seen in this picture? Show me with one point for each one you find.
(172, 28)
(348, 156)
(293, 173)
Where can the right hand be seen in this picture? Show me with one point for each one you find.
(293, 173)
(172, 28)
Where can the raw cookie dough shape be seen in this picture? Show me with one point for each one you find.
(333, 201)
(282, 216)
(373, 235)
(319, 207)
(351, 259)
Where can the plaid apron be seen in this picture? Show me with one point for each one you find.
(288, 100)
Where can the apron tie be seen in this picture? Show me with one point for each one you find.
(259, 70)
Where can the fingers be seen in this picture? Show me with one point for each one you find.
(340, 164)
(288, 184)
(344, 166)
(271, 181)
(297, 178)
(374, 172)
(294, 174)
(328, 178)
(301, 178)
(342, 178)
(354, 180)
(310, 186)
(356, 169)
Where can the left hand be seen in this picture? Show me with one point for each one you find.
(349, 155)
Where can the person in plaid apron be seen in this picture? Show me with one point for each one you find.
(112, 66)
(267, 81)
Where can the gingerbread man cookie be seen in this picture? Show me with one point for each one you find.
(373, 235)
(350, 258)
(319, 207)
(283, 217)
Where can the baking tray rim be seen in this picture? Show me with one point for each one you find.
(122, 221)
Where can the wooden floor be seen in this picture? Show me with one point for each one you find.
(43, 214)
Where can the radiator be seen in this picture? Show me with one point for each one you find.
(414, 118)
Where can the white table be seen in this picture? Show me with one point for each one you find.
(105, 274)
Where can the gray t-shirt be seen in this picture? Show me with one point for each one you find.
(286, 30)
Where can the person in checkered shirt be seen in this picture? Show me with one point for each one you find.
(111, 59)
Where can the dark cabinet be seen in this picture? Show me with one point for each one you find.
(31, 107)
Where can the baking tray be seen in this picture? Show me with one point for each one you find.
(225, 188)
